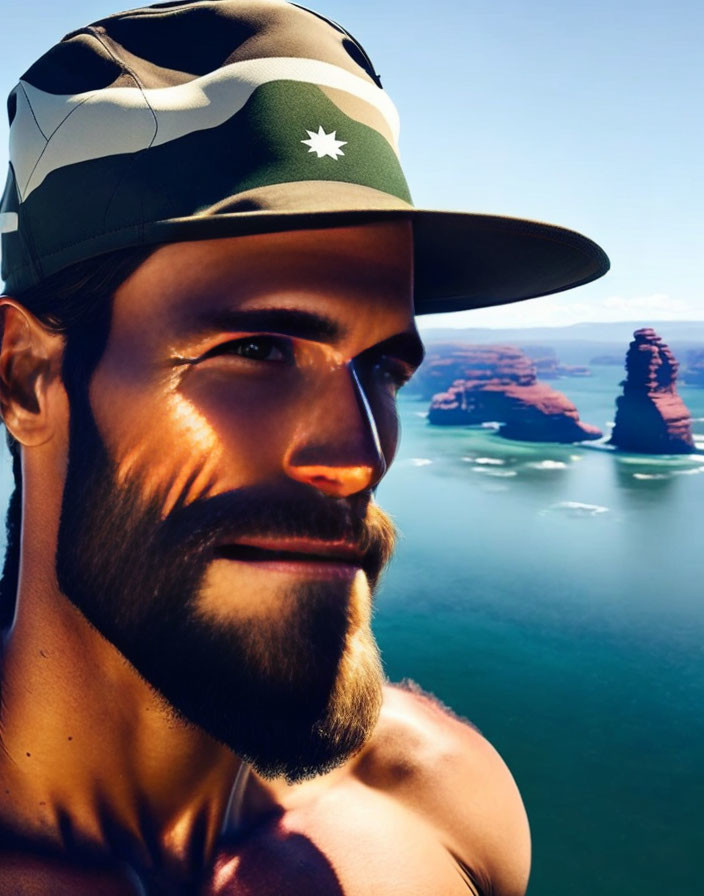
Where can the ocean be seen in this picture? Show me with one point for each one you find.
(551, 594)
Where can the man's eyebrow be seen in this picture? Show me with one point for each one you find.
(406, 346)
(288, 321)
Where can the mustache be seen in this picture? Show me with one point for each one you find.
(275, 511)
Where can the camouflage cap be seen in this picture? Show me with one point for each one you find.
(197, 120)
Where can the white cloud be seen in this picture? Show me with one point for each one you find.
(555, 312)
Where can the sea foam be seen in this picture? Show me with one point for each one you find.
(577, 508)
(488, 471)
(651, 475)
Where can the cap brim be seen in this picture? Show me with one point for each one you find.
(472, 261)
(462, 260)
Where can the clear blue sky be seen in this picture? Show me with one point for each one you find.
(584, 115)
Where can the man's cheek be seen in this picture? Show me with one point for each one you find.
(174, 454)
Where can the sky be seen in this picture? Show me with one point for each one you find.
(582, 115)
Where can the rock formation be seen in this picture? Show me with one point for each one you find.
(650, 415)
(499, 383)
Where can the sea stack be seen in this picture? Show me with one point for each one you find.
(650, 415)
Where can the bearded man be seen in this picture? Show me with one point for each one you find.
(213, 267)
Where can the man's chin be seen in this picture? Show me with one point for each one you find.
(291, 681)
(292, 737)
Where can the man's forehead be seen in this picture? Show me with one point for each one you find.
(386, 245)
(335, 263)
(318, 282)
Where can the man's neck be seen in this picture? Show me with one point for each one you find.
(91, 755)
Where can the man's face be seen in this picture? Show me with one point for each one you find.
(245, 405)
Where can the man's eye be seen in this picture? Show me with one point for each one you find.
(255, 348)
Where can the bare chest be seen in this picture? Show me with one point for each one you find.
(340, 847)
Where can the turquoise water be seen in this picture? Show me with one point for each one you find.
(552, 594)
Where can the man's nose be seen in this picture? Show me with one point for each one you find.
(336, 446)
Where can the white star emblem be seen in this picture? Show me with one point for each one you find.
(324, 144)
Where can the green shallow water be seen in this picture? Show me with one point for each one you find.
(552, 594)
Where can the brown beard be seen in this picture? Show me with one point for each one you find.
(295, 692)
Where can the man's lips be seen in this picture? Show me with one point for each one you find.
(291, 549)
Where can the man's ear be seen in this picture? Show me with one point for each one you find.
(30, 363)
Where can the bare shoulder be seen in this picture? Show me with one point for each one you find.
(442, 768)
